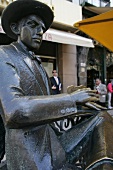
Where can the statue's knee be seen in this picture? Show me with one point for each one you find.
(101, 165)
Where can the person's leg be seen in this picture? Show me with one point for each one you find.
(109, 100)
(102, 165)
(76, 138)
(103, 104)
(100, 151)
(91, 138)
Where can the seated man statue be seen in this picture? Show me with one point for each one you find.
(28, 109)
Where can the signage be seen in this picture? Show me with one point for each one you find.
(47, 36)
(83, 64)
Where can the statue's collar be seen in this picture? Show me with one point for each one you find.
(23, 46)
(20, 47)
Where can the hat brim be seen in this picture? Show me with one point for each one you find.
(22, 8)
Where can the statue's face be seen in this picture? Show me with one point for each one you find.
(31, 31)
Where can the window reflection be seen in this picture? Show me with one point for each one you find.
(109, 59)
(98, 3)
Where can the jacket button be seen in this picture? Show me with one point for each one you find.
(63, 111)
(68, 110)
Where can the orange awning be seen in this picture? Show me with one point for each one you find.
(99, 27)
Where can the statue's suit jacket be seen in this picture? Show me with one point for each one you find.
(27, 110)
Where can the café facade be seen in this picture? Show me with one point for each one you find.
(60, 42)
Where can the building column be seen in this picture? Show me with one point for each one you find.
(104, 79)
(82, 65)
(67, 65)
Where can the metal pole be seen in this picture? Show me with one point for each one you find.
(100, 3)
(104, 66)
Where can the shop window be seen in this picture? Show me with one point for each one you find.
(109, 65)
(94, 66)
(48, 49)
(48, 53)
(49, 64)
(97, 3)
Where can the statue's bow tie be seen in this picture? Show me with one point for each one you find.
(35, 57)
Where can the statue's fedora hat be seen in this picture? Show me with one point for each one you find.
(22, 8)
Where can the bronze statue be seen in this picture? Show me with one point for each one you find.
(28, 109)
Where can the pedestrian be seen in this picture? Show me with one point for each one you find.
(101, 91)
(55, 83)
(110, 91)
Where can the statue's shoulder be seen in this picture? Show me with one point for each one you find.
(6, 51)
(6, 48)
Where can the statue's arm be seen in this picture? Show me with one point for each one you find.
(20, 110)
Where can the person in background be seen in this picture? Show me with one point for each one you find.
(110, 91)
(101, 91)
(55, 83)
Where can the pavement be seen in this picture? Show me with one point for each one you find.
(110, 112)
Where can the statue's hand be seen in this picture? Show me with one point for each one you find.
(84, 96)
(81, 94)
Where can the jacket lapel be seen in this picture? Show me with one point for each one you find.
(28, 62)
(40, 76)
(24, 56)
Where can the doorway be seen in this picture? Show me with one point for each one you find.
(110, 72)
(91, 76)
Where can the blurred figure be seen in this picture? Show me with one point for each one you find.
(110, 91)
(101, 91)
(55, 83)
